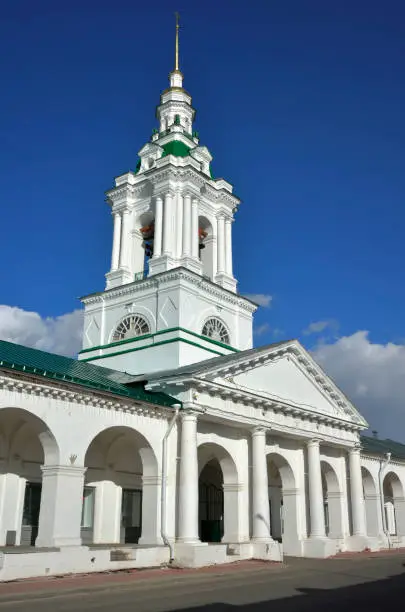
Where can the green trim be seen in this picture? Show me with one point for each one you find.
(159, 333)
(141, 348)
(15, 357)
(176, 148)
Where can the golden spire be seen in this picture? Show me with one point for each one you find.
(176, 57)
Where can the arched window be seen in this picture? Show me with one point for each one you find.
(216, 330)
(132, 326)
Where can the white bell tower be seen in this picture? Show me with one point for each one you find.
(170, 296)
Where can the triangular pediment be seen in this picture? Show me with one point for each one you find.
(284, 381)
(289, 376)
(282, 373)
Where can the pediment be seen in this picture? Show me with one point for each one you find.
(286, 379)
(150, 149)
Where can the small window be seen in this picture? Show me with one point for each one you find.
(131, 327)
(216, 330)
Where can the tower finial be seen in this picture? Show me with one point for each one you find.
(176, 57)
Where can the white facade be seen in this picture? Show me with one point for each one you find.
(257, 454)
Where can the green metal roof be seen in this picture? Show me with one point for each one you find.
(375, 446)
(65, 369)
(176, 148)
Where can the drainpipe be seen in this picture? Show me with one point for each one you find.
(164, 483)
(383, 465)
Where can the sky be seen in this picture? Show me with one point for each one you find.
(301, 105)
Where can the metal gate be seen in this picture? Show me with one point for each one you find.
(211, 512)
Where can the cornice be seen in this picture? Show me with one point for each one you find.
(155, 178)
(269, 405)
(177, 274)
(276, 428)
(27, 385)
(379, 458)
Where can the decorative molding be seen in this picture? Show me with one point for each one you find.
(268, 404)
(158, 280)
(26, 384)
(306, 365)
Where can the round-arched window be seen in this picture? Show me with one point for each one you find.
(216, 330)
(130, 327)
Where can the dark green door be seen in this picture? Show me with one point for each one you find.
(32, 504)
(131, 516)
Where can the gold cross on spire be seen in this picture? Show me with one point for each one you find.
(176, 57)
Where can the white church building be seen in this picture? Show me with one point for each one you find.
(171, 439)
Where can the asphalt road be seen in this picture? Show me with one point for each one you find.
(300, 585)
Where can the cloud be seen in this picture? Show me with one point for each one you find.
(320, 326)
(262, 299)
(261, 329)
(60, 335)
(373, 377)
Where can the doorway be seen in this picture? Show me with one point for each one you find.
(211, 503)
(32, 504)
(131, 516)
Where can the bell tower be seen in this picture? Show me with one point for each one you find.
(171, 296)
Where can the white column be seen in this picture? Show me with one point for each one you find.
(107, 512)
(260, 498)
(157, 241)
(188, 480)
(317, 517)
(356, 492)
(124, 240)
(116, 242)
(179, 224)
(167, 224)
(228, 246)
(12, 489)
(221, 243)
(61, 506)
(187, 225)
(194, 228)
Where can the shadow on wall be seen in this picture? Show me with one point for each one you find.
(371, 596)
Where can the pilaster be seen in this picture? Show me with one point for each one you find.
(61, 506)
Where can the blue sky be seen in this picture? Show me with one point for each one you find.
(300, 103)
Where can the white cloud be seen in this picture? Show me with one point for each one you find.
(262, 299)
(60, 335)
(373, 377)
(319, 326)
(261, 329)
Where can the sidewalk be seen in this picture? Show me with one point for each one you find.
(77, 582)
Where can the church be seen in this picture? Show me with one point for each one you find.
(171, 439)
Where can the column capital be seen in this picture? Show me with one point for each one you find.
(151, 481)
(159, 197)
(356, 449)
(190, 412)
(232, 487)
(66, 470)
(314, 442)
(170, 193)
(259, 431)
